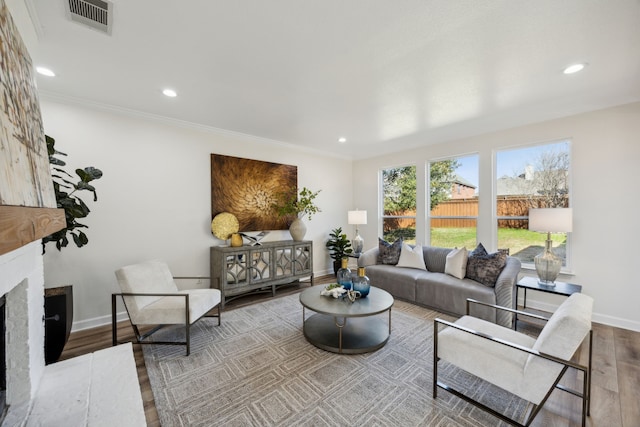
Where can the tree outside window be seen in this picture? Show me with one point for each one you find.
(399, 204)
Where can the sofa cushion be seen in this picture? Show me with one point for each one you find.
(484, 267)
(456, 263)
(389, 253)
(412, 257)
(448, 294)
(399, 282)
(435, 258)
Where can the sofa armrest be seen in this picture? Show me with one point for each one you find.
(368, 257)
(504, 289)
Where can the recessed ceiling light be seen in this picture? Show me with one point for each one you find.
(170, 93)
(574, 68)
(342, 140)
(45, 72)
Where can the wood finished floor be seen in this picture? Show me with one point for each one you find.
(615, 378)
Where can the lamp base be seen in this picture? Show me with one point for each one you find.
(548, 265)
(358, 244)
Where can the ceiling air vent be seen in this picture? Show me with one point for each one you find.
(93, 13)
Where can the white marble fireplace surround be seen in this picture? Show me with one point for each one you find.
(22, 282)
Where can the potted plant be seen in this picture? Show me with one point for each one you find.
(58, 302)
(299, 205)
(339, 246)
(65, 190)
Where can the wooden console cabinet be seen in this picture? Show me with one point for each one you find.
(241, 270)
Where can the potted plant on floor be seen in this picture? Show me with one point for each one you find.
(296, 204)
(339, 246)
(58, 303)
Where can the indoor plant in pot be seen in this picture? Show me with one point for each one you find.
(297, 205)
(339, 247)
(58, 302)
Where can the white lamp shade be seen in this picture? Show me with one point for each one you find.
(357, 217)
(551, 220)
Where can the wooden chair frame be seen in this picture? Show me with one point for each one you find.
(585, 394)
(140, 338)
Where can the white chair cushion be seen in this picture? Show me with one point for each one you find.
(561, 336)
(145, 277)
(524, 375)
(493, 362)
(170, 310)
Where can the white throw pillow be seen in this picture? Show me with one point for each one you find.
(456, 263)
(411, 258)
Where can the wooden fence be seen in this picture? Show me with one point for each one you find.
(506, 206)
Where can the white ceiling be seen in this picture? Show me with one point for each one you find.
(387, 75)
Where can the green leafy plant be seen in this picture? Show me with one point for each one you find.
(67, 199)
(338, 244)
(292, 203)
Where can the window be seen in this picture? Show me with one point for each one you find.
(531, 177)
(399, 204)
(453, 198)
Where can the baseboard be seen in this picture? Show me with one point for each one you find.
(604, 319)
(617, 322)
(97, 321)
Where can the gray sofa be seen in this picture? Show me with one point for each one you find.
(445, 293)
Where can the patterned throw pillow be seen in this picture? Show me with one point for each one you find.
(484, 267)
(389, 253)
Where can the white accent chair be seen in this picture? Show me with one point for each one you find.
(528, 367)
(151, 297)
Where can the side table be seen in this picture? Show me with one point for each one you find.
(532, 283)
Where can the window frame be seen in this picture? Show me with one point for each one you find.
(381, 199)
(428, 216)
(567, 268)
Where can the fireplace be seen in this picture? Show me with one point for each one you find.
(22, 288)
(3, 363)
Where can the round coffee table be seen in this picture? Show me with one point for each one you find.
(340, 326)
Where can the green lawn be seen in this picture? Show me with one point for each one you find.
(522, 243)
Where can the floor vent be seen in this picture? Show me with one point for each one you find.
(93, 13)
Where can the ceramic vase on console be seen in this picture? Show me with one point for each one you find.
(297, 229)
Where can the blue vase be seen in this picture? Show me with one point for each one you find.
(361, 283)
(344, 275)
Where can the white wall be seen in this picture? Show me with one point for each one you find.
(154, 198)
(606, 178)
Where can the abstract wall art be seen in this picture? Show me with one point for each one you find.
(248, 189)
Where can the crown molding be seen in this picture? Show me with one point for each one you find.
(69, 100)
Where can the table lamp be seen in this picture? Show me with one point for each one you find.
(549, 220)
(357, 218)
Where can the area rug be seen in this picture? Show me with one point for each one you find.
(257, 369)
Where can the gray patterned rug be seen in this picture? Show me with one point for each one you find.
(257, 369)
